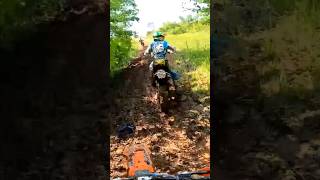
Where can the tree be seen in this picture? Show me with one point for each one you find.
(122, 14)
(202, 7)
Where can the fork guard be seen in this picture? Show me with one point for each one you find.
(139, 160)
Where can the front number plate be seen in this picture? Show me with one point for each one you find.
(161, 74)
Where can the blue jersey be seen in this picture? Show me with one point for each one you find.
(159, 49)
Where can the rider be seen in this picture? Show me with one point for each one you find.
(159, 48)
(141, 42)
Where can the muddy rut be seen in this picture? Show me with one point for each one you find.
(179, 140)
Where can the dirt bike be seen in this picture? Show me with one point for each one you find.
(140, 167)
(164, 82)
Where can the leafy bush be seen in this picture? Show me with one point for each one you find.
(188, 24)
(122, 13)
(193, 58)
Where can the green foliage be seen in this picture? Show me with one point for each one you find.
(202, 7)
(17, 16)
(188, 24)
(122, 13)
(191, 23)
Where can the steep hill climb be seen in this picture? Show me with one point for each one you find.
(179, 140)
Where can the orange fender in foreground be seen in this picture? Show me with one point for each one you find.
(139, 160)
(207, 169)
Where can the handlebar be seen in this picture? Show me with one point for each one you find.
(165, 176)
(170, 51)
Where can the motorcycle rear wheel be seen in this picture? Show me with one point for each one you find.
(163, 96)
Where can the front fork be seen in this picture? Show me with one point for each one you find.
(170, 82)
(171, 89)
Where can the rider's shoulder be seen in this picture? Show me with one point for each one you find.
(166, 43)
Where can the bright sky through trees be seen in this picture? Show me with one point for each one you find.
(153, 13)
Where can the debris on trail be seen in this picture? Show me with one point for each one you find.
(179, 141)
(125, 130)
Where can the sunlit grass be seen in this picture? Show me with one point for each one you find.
(135, 47)
(191, 41)
(193, 58)
(292, 56)
(200, 80)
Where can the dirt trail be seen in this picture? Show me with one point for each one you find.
(179, 141)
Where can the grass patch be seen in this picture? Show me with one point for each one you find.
(292, 57)
(135, 45)
(122, 51)
(193, 58)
